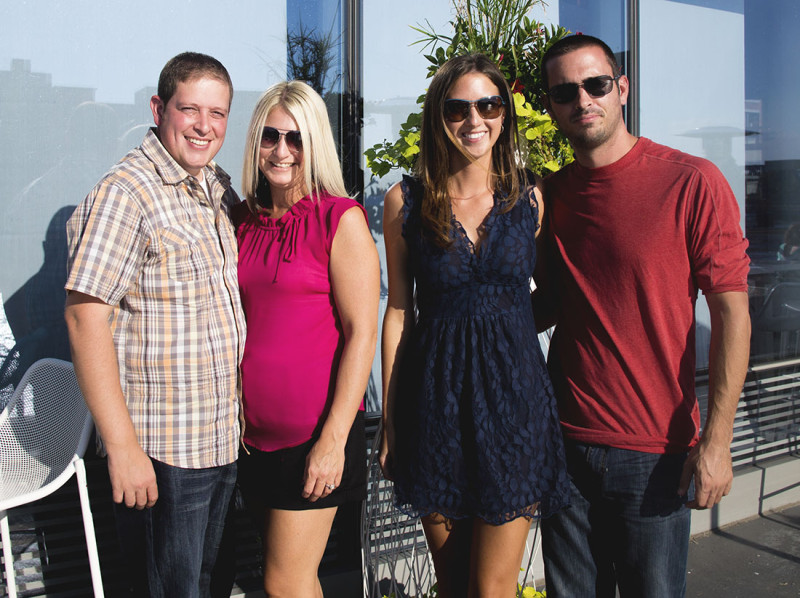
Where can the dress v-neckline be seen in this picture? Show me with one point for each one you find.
(474, 247)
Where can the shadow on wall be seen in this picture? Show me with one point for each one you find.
(35, 312)
(32, 228)
(373, 203)
(89, 147)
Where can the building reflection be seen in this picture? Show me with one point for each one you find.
(63, 142)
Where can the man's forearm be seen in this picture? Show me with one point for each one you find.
(133, 480)
(728, 360)
(95, 361)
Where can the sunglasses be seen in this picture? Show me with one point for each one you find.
(270, 137)
(597, 87)
(457, 110)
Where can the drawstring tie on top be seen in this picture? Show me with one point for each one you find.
(287, 236)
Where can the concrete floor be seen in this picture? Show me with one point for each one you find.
(754, 558)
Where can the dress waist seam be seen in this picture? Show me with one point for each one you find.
(473, 316)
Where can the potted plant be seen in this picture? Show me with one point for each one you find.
(502, 30)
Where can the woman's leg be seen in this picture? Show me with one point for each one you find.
(449, 545)
(294, 542)
(496, 557)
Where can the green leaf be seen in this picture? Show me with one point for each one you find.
(497, 28)
(414, 120)
(552, 166)
(411, 150)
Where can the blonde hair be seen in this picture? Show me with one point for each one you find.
(321, 167)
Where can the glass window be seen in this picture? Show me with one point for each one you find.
(605, 19)
(771, 148)
(314, 53)
(394, 76)
(75, 85)
(721, 90)
(313, 44)
(683, 68)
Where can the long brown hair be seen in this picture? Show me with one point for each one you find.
(436, 144)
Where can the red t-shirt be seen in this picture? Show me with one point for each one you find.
(294, 338)
(633, 242)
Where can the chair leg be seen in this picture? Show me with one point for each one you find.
(88, 528)
(532, 551)
(8, 555)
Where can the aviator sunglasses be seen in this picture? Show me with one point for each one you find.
(457, 110)
(270, 137)
(597, 87)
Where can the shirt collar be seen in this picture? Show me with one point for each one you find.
(173, 173)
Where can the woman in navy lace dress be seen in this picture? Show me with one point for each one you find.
(471, 434)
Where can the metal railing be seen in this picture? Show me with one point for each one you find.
(767, 421)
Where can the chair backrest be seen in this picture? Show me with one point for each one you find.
(45, 425)
(395, 555)
(781, 309)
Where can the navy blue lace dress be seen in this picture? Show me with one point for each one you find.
(476, 428)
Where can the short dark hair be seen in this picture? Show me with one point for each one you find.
(189, 66)
(576, 42)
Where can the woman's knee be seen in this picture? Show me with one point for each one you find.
(283, 584)
(493, 586)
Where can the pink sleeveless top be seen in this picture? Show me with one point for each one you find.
(294, 338)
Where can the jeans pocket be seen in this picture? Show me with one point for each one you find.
(660, 498)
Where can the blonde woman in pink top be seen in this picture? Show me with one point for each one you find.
(309, 282)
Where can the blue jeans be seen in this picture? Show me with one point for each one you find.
(625, 527)
(171, 549)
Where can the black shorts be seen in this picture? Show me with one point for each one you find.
(274, 479)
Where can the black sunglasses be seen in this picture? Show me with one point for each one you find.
(457, 110)
(597, 87)
(270, 137)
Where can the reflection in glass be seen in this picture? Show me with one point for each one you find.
(314, 41)
(311, 56)
(772, 178)
(60, 138)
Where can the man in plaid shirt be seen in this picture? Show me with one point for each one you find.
(156, 328)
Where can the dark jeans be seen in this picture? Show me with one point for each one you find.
(171, 549)
(626, 526)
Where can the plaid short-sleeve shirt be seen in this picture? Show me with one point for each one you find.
(148, 241)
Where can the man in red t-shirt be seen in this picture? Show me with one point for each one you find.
(635, 229)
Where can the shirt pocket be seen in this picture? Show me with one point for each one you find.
(187, 252)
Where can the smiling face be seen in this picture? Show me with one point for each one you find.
(282, 167)
(588, 122)
(192, 124)
(474, 135)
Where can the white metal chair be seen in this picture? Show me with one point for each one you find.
(44, 431)
(394, 552)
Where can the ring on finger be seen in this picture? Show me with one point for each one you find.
(330, 486)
